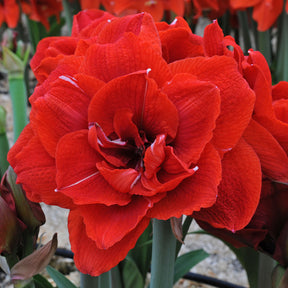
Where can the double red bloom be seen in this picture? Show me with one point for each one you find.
(265, 12)
(132, 121)
(36, 10)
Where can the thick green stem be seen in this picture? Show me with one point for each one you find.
(87, 281)
(163, 255)
(105, 280)
(18, 95)
(245, 31)
(68, 14)
(282, 55)
(264, 45)
(265, 269)
(4, 145)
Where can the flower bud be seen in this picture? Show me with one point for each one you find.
(17, 214)
(11, 228)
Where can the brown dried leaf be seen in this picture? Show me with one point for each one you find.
(35, 262)
(176, 226)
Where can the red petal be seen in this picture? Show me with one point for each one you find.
(195, 192)
(121, 180)
(213, 40)
(114, 222)
(280, 108)
(277, 128)
(279, 91)
(266, 14)
(140, 24)
(257, 58)
(77, 175)
(262, 88)
(66, 104)
(85, 22)
(154, 156)
(172, 172)
(89, 259)
(129, 54)
(110, 150)
(153, 112)
(125, 127)
(237, 99)
(239, 190)
(198, 104)
(36, 170)
(178, 42)
(273, 158)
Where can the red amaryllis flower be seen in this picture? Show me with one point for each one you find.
(9, 13)
(211, 8)
(265, 12)
(42, 10)
(119, 136)
(155, 8)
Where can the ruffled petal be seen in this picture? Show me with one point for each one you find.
(77, 175)
(257, 80)
(153, 112)
(273, 159)
(265, 15)
(35, 170)
(239, 190)
(65, 104)
(195, 192)
(121, 180)
(113, 222)
(91, 260)
(237, 99)
(198, 104)
(178, 41)
(115, 59)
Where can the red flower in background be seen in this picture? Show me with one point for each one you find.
(267, 231)
(265, 12)
(42, 10)
(9, 13)
(123, 129)
(126, 7)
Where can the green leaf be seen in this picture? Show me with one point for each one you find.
(131, 275)
(60, 279)
(41, 282)
(186, 261)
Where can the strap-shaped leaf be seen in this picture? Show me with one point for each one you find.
(186, 261)
(60, 280)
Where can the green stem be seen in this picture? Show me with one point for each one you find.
(163, 255)
(18, 95)
(265, 269)
(11, 259)
(282, 59)
(87, 281)
(4, 145)
(105, 280)
(264, 45)
(68, 14)
(4, 148)
(245, 31)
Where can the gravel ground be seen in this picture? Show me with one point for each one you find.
(221, 263)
